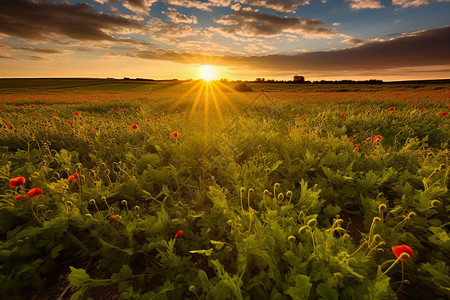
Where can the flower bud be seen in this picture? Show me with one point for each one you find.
(404, 256)
(411, 215)
(92, 202)
(291, 239)
(312, 223)
(382, 207)
(192, 289)
(302, 230)
(435, 203)
(377, 238)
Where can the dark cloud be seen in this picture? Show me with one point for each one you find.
(41, 50)
(250, 23)
(278, 5)
(424, 48)
(36, 57)
(7, 57)
(41, 20)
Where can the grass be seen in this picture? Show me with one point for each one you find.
(298, 192)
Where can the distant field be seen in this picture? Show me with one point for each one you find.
(127, 85)
(187, 190)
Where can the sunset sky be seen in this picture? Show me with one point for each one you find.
(319, 39)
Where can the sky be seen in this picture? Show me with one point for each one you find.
(318, 39)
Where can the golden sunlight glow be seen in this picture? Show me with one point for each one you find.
(208, 73)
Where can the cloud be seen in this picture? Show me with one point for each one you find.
(287, 6)
(356, 41)
(169, 32)
(137, 6)
(423, 48)
(223, 3)
(175, 17)
(408, 3)
(206, 6)
(43, 20)
(36, 57)
(249, 23)
(364, 4)
(42, 50)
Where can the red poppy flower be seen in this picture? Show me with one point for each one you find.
(443, 114)
(76, 113)
(73, 177)
(113, 219)
(424, 109)
(179, 233)
(356, 147)
(20, 197)
(34, 192)
(352, 138)
(399, 250)
(390, 109)
(93, 129)
(343, 113)
(15, 182)
(175, 134)
(134, 126)
(69, 121)
(377, 138)
(8, 124)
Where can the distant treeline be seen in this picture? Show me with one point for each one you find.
(370, 81)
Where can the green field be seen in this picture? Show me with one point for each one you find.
(187, 190)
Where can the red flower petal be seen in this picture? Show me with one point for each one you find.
(134, 126)
(175, 134)
(16, 181)
(399, 250)
(34, 192)
(179, 233)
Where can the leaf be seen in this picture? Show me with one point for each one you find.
(78, 277)
(205, 252)
(55, 251)
(197, 215)
(439, 273)
(326, 290)
(219, 245)
(275, 166)
(301, 289)
(124, 274)
(128, 251)
(165, 190)
(203, 278)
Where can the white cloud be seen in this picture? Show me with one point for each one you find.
(205, 6)
(175, 17)
(365, 4)
(409, 3)
(223, 3)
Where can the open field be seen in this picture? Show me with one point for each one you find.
(163, 190)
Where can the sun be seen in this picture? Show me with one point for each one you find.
(208, 73)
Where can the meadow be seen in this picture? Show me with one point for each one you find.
(191, 190)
